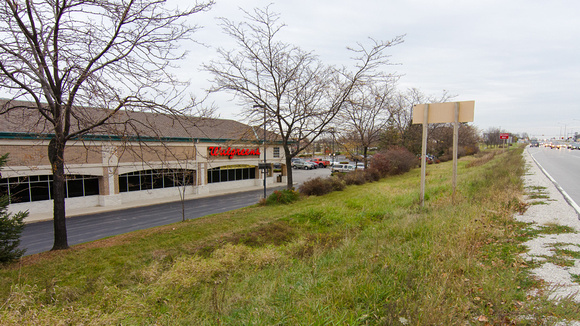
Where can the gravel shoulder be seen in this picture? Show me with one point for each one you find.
(548, 207)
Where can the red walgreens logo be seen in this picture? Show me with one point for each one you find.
(231, 152)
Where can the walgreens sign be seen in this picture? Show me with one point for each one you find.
(231, 152)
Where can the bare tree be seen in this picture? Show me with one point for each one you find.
(441, 140)
(400, 131)
(298, 94)
(367, 113)
(492, 136)
(64, 55)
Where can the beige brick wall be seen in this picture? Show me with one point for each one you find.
(36, 155)
(25, 155)
(136, 153)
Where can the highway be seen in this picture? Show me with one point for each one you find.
(563, 165)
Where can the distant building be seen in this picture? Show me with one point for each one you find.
(152, 156)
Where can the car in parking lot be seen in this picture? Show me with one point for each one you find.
(302, 164)
(320, 162)
(342, 168)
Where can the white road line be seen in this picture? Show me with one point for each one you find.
(567, 197)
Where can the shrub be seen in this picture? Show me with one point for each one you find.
(353, 178)
(445, 157)
(314, 187)
(285, 196)
(372, 174)
(471, 149)
(394, 161)
(336, 183)
(320, 186)
(401, 160)
(380, 163)
(11, 227)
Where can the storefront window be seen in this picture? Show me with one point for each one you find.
(231, 173)
(39, 187)
(155, 179)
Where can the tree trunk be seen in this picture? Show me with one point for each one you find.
(182, 197)
(289, 179)
(56, 157)
(365, 156)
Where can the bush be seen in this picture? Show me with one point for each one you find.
(401, 160)
(380, 163)
(320, 186)
(471, 149)
(372, 175)
(461, 151)
(336, 184)
(445, 157)
(394, 161)
(285, 196)
(11, 228)
(353, 178)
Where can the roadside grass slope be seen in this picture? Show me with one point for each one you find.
(368, 255)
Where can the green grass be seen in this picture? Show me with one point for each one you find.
(368, 255)
(537, 192)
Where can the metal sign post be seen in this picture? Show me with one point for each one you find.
(449, 112)
(424, 152)
(455, 145)
(505, 137)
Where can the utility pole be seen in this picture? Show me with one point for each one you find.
(265, 170)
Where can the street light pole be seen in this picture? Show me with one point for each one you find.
(265, 169)
(331, 129)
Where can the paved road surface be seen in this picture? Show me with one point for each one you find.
(563, 165)
(38, 237)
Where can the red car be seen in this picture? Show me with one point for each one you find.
(321, 163)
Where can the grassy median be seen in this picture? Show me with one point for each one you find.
(368, 255)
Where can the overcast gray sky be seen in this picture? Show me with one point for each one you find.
(519, 60)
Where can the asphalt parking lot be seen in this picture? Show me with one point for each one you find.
(299, 176)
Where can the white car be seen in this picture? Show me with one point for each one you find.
(343, 168)
(302, 164)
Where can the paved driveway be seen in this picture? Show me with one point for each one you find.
(299, 176)
(38, 237)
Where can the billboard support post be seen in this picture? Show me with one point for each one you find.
(455, 145)
(450, 112)
(424, 152)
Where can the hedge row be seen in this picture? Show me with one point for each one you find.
(391, 162)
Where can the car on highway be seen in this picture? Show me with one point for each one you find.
(302, 164)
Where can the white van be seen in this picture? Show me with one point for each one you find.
(343, 168)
